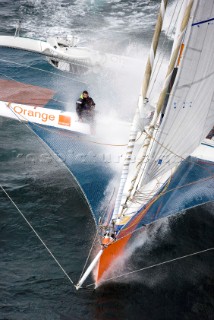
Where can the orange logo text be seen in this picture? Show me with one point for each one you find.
(35, 114)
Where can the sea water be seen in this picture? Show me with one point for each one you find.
(31, 284)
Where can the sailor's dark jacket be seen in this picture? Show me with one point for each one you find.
(84, 104)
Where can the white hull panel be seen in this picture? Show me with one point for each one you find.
(44, 117)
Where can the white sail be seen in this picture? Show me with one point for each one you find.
(189, 113)
(188, 109)
(140, 149)
(142, 114)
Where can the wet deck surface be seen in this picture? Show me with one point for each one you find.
(17, 92)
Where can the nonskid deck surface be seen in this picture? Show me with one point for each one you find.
(17, 92)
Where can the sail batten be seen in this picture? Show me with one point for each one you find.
(190, 110)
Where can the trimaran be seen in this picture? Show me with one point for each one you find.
(183, 117)
(169, 161)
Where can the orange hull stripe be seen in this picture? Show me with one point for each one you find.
(116, 249)
(133, 224)
(109, 255)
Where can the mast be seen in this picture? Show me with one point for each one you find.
(152, 129)
(135, 128)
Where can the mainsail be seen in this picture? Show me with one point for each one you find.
(189, 114)
(185, 114)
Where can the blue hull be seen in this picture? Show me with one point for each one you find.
(82, 159)
(191, 185)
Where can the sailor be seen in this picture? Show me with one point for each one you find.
(85, 107)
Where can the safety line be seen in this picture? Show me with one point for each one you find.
(40, 239)
(154, 265)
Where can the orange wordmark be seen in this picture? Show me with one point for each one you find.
(31, 113)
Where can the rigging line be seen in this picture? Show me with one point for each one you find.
(164, 192)
(37, 235)
(155, 265)
(142, 212)
(46, 71)
(76, 138)
(106, 208)
(142, 160)
(184, 159)
(89, 254)
(191, 183)
(82, 194)
(182, 186)
(151, 193)
(97, 232)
